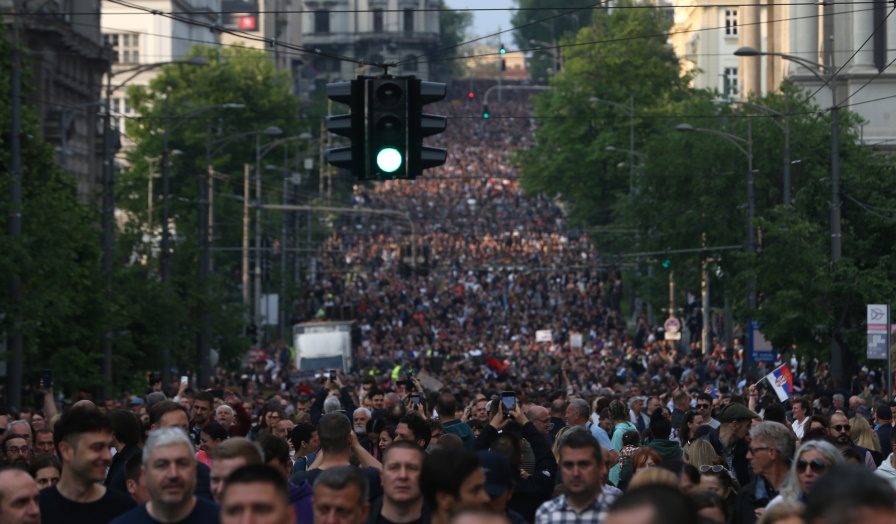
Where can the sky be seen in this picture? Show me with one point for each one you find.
(488, 22)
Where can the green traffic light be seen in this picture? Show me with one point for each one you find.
(484, 115)
(667, 263)
(388, 160)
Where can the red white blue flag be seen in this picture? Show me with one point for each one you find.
(781, 380)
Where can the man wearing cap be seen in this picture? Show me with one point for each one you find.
(729, 439)
(499, 484)
(883, 417)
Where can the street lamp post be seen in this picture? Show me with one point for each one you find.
(826, 75)
(205, 220)
(751, 202)
(630, 111)
(108, 207)
(785, 127)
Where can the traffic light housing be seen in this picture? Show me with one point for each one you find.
(424, 124)
(351, 125)
(485, 113)
(388, 100)
(386, 126)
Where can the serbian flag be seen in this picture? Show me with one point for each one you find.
(782, 381)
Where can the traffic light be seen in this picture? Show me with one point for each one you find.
(472, 95)
(485, 113)
(422, 157)
(502, 50)
(387, 127)
(349, 125)
(666, 263)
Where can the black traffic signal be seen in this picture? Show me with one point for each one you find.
(349, 125)
(387, 128)
(485, 113)
(422, 157)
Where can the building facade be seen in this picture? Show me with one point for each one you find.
(841, 37)
(405, 32)
(67, 57)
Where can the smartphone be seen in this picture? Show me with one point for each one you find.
(415, 398)
(508, 401)
(184, 379)
(46, 378)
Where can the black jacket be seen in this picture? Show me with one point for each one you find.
(376, 507)
(531, 492)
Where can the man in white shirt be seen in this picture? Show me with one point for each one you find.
(800, 410)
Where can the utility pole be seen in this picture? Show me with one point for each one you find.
(14, 345)
(245, 265)
(258, 254)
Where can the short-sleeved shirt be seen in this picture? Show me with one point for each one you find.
(54, 508)
(204, 512)
(558, 510)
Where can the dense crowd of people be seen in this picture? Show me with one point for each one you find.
(500, 382)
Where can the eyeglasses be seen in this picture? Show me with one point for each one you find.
(714, 469)
(842, 427)
(702, 406)
(15, 451)
(758, 448)
(816, 465)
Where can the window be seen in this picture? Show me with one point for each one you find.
(378, 21)
(408, 20)
(729, 81)
(321, 21)
(731, 22)
(125, 47)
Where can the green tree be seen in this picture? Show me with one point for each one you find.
(539, 22)
(57, 257)
(453, 27)
(179, 102)
(620, 57)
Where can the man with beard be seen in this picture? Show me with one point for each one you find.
(16, 452)
(402, 500)
(169, 471)
(83, 438)
(840, 430)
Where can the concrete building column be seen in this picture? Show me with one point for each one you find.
(862, 27)
(804, 33)
(891, 39)
(749, 34)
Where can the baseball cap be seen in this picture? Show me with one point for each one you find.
(734, 411)
(884, 413)
(498, 476)
(137, 401)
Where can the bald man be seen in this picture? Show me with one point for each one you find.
(18, 498)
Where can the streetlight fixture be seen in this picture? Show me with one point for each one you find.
(108, 209)
(739, 143)
(785, 127)
(826, 75)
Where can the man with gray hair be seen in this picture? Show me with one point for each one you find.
(578, 414)
(636, 413)
(771, 449)
(340, 495)
(169, 471)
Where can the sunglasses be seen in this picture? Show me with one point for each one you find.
(816, 465)
(842, 427)
(702, 406)
(714, 469)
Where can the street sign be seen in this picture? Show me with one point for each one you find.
(672, 325)
(257, 354)
(878, 340)
(673, 336)
(760, 349)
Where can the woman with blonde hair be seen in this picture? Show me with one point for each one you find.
(862, 434)
(700, 453)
